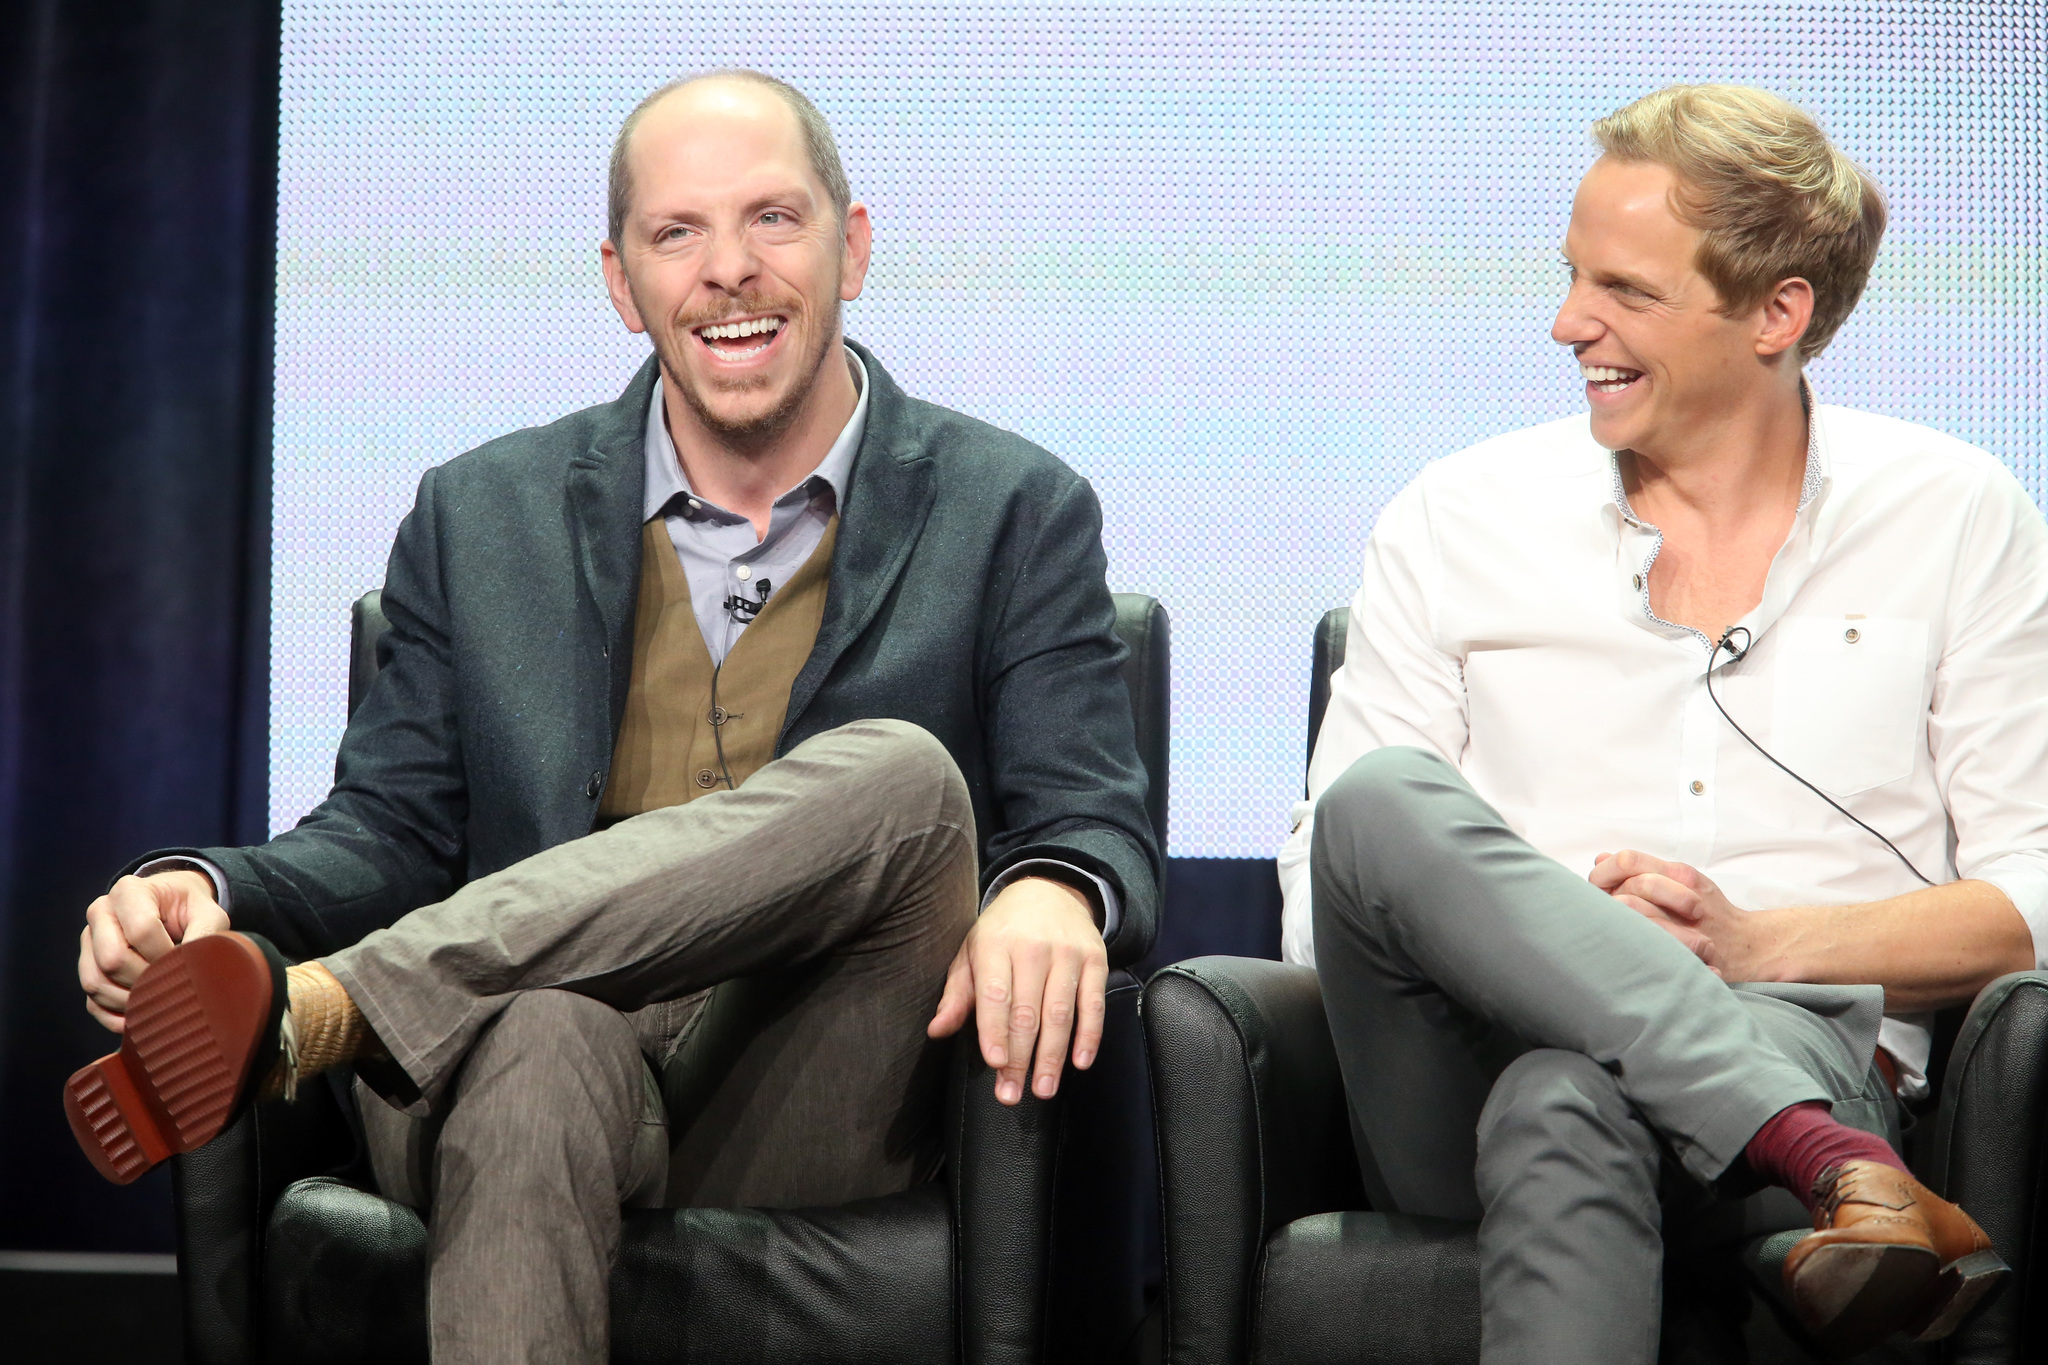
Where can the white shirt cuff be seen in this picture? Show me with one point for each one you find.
(1106, 899)
(213, 874)
(2023, 877)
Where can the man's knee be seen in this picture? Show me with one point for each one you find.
(1550, 1105)
(1380, 788)
(910, 760)
(1371, 813)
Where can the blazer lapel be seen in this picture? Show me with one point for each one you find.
(606, 486)
(888, 498)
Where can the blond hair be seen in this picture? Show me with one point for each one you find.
(819, 145)
(1770, 195)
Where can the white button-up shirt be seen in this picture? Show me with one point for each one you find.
(1899, 662)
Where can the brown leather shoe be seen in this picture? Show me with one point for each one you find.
(1887, 1255)
(205, 1023)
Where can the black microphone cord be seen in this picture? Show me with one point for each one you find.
(1736, 657)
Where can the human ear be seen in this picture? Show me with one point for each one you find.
(858, 244)
(621, 290)
(1783, 317)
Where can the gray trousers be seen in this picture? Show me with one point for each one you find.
(716, 1004)
(1521, 1049)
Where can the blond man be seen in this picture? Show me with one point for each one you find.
(1769, 671)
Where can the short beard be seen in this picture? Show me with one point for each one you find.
(755, 434)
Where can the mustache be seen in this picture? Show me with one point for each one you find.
(743, 306)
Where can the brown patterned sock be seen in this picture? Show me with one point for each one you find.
(327, 1028)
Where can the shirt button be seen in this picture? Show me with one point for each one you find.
(1852, 635)
(594, 785)
(1698, 787)
(696, 506)
(743, 573)
(706, 778)
(1639, 582)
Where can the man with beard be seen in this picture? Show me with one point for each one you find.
(707, 720)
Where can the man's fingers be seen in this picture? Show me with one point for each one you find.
(105, 1018)
(991, 972)
(99, 992)
(1030, 965)
(1056, 1026)
(1629, 862)
(956, 1002)
(1674, 899)
(1092, 1006)
(203, 919)
(117, 960)
(1695, 942)
(141, 917)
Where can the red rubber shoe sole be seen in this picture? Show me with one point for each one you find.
(195, 1020)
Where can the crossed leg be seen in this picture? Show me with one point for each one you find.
(802, 1075)
(1524, 1051)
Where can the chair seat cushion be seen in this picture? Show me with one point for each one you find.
(868, 1281)
(1368, 1289)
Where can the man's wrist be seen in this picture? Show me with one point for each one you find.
(1774, 944)
(214, 880)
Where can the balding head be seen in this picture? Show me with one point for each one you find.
(820, 150)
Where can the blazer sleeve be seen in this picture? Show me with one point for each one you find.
(1063, 754)
(390, 836)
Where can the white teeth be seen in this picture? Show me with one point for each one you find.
(1605, 374)
(732, 331)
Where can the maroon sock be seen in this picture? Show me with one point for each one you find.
(1796, 1145)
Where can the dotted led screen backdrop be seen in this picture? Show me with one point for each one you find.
(1246, 267)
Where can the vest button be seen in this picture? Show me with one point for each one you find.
(706, 778)
(594, 785)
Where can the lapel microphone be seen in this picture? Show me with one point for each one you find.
(744, 611)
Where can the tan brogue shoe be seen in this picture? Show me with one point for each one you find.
(1887, 1255)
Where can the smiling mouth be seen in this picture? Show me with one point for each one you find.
(1608, 378)
(742, 339)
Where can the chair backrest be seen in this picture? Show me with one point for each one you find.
(1148, 673)
(1140, 622)
(1329, 657)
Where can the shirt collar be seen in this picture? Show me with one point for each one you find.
(1811, 486)
(665, 477)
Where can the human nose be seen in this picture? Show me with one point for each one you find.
(731, 262)
(1574, 324)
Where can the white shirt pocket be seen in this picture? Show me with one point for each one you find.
(1849, 699)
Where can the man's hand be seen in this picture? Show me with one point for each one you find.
(133, 925)
(1033, 968)
(1679, 899)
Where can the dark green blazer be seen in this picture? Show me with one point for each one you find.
(967, 596)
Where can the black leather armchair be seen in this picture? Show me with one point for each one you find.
(1272, 1256)
(1028, 1248)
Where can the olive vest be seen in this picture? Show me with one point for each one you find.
(692, 727)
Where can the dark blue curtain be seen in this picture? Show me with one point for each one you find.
(137, 204)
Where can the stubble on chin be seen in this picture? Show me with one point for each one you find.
(752, 432)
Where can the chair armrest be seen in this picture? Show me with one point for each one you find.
(1991, 1155)
(1253, 1133)
(1000, 1164)
(1047, 1198)
(223, 1194)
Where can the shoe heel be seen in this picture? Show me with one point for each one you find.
(1965, 1286)
(114, 1125)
